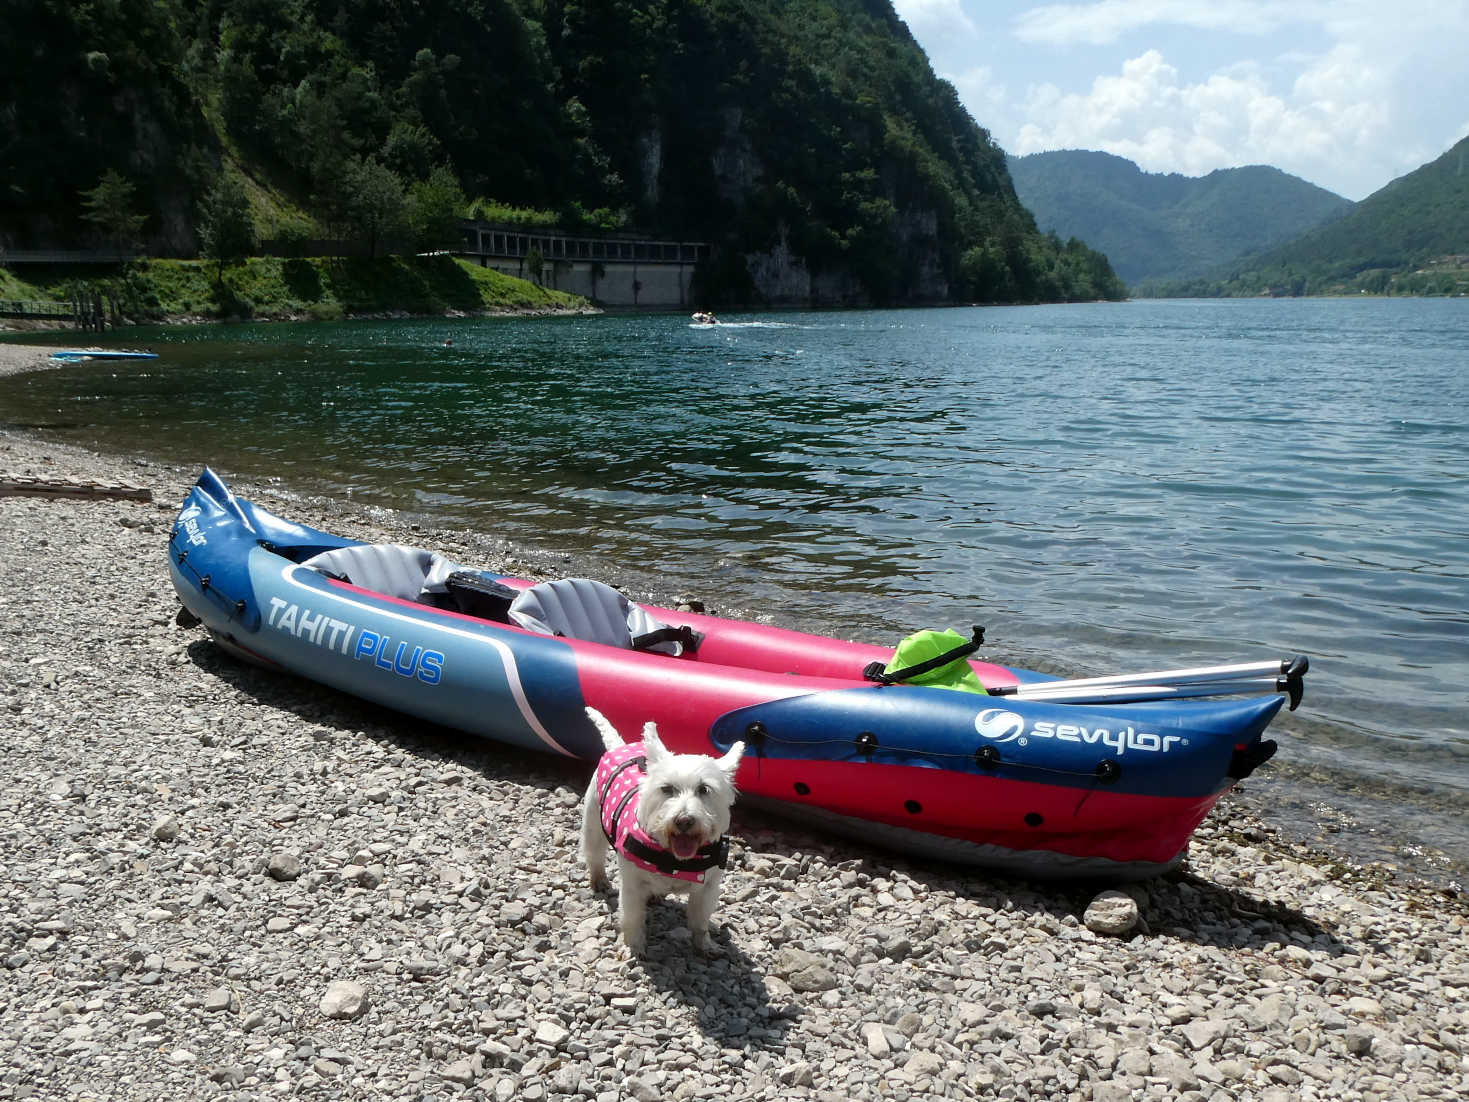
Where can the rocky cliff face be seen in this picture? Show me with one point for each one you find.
(918, 230)
(782, 276)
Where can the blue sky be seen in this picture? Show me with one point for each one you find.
(1348, 94)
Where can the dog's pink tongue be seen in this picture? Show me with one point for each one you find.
(685, 846)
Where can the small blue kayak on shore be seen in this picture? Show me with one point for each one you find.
(101, 354)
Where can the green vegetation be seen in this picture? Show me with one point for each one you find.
(278, 288)
(109, 208)
(1411, 238)
(809, 128)
(1168, 227)
(226, 228)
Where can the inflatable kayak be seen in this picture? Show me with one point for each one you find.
(1103, 777)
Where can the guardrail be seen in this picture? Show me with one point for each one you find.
(65, 256)
(87, 311)
(41, 311)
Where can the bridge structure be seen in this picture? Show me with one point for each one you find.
(85, 311)
(612, 270)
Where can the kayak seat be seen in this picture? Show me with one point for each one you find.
(480, 595)
(392, 569)
(580, 608)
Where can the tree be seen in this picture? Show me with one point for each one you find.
(374, 203)
(435, 206)
(410, 149)
(226, 227)
(109, 207)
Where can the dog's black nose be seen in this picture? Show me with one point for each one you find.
(684, 823)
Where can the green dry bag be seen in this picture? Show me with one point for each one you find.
(920, 660)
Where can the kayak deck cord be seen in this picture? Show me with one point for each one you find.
(985, 758)
(235, 606)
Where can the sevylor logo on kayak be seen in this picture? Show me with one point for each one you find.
(999, 725)
(332, 634)
(189, 522)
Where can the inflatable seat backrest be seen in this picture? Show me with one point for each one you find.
(408, 573)
(580, 608)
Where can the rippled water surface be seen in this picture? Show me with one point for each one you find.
(1106, 487)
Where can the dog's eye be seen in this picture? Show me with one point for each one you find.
(668, 790)
(702, 790)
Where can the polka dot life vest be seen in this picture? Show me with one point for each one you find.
(619, 774)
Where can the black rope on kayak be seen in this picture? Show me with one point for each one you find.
(986, 758)
(205, 581)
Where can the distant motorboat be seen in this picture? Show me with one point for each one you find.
(704, 317)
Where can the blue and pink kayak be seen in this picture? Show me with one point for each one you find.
(1108, 786)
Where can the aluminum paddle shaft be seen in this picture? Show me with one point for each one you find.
(1283, 675)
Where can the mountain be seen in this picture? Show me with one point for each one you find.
(1153, 226)
(1410, 237)
(808, 141)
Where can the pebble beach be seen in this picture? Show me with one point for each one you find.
(224, 881)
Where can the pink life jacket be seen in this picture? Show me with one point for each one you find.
(619, 773)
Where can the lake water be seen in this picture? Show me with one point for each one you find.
(1108, 488)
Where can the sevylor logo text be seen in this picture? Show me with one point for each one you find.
(189, 522)
(999, 725)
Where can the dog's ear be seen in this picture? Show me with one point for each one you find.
(653, 745)
(731, 760)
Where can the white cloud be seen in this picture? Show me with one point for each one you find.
(1347, 94)
(1146, 113)
(986, 97)
(940, 17)
(1108, 20)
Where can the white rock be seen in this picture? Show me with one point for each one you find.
(876, 1038)
(345, 999)
(1112, 912)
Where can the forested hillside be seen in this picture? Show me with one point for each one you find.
(807, 140)
(1156, 226)
(1411, 237)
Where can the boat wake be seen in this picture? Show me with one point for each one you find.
(745, 325)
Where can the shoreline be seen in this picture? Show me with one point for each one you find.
(201, 851)
(1362, 814)
(16, 358)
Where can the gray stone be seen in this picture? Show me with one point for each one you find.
(460, 1071)
(1112, 912)
(876, 1037)
(218, 999)
(345, 1000)
(230, 1075)
(1204, 1033)
(924, 1063)
(804, 971)
(283, 866)
(798, 1074)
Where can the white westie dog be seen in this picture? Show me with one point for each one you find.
(666, 815)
